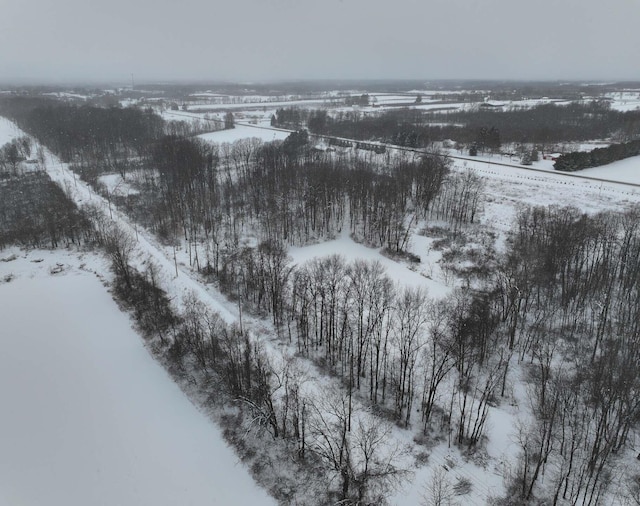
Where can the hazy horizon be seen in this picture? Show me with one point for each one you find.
(286, 40)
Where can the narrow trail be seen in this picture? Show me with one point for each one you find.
(145, 248)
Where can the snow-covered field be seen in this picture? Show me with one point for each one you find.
(390, 99)
(245, 132)
(624, 171)
(625, 101)
(253, 105)
(88, 416)
(627, 170)
(508, 188)
(169, 115)
(61, 94)
(435, 107)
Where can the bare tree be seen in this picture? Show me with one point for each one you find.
(438, 491)
(409, 328)
(119, 246)
(364, 458)
(437, 360)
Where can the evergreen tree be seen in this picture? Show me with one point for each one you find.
(229, 121)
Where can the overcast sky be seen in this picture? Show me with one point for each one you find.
(67, 40)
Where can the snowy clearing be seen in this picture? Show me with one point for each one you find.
(254, 105)
(116, 185)
(244, 132)
(627, 170)
(508, 188)
(625, 100)
(168, 115)
(88, 416)
(399, 272)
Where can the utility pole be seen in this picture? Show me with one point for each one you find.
(131, 82)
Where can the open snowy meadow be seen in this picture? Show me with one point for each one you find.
(88, 416)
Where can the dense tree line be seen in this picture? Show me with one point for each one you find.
(358, 100)
(193, 127)
(578, 160)
(95, 134)
(568, 300)
(288, 193)
(290, 117)
(36, 213)
(543, 124)
(401, 127)
(549, 123)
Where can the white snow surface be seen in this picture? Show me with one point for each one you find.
(627, 170)
(253, 105)
(8, 131)
(398, 272)
(186, 116)
(89, 417)
(245, 132)
(445, 106)
(116, 185)
(628, 100)
(509, 188)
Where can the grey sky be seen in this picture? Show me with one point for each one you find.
(62, 40)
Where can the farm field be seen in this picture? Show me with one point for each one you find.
(88, 416)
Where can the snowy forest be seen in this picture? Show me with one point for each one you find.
(337, 380)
